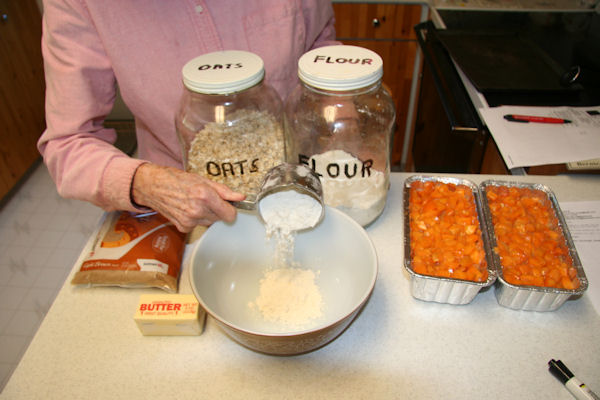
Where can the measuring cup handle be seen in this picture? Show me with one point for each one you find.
(244, 205)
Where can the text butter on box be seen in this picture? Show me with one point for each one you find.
(169, 315)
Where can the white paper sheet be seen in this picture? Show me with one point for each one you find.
(583, 221)
(529, 144)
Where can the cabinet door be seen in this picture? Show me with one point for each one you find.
(388, 30)
(21, 89)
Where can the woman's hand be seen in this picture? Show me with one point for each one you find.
(185, 199)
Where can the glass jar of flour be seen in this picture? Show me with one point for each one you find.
(230, 122)
(339, 122)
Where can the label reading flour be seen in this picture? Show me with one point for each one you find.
(349, 184)
(342, 60)
(343, 166)
(340, 67)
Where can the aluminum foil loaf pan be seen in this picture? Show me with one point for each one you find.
(531, 297)
(448, 290)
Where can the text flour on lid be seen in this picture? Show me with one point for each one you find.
(340, 67)
(223, 72)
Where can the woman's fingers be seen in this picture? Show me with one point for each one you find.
(186, 199)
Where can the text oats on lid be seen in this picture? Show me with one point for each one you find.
(223, 72)
(340, 68)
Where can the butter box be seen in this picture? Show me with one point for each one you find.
(169, 315)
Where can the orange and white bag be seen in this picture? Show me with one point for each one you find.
(133, 251)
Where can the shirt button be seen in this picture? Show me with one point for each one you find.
(199, 9)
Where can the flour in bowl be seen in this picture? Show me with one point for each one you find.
(288, 294)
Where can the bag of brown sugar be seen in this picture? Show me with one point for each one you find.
(133, 251)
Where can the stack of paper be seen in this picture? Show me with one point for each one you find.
(525, 144)
(583, 220)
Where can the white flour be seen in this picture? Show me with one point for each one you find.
(289, 210)
(351, 185)
(288, 294)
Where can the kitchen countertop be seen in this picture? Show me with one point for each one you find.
(89, 346)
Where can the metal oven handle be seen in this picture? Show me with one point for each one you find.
(459, 109)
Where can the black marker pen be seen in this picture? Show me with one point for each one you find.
(573, 385)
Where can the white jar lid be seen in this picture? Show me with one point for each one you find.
(340, 67)
(223, 72)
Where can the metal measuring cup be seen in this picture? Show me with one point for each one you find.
(287, 176)
(281, 177)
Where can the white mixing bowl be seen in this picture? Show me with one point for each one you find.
(229, 260)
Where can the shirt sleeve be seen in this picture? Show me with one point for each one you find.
(80, 92)
(320, 22)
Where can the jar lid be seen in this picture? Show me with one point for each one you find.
(223, 72)
(340, 67)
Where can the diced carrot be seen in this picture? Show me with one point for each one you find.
(538, 281)
(448, 243)
(567, 283)
(529, 238)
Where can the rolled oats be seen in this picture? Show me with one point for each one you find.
(239, 151)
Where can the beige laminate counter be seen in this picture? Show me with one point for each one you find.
(89, 347)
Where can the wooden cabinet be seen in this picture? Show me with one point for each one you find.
(386, 29)
(21, 89)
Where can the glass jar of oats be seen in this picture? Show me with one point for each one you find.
(339, 121)
(229, 120)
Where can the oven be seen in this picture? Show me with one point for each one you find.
(483, 58)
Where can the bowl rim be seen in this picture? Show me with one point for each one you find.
(356, 307)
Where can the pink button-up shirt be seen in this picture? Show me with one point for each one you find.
(90, 46)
